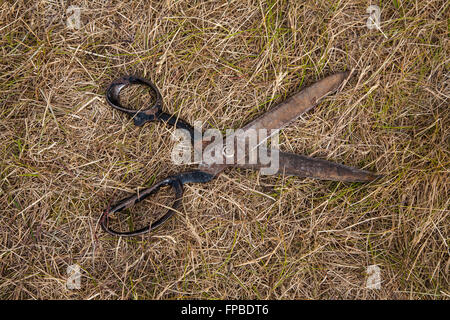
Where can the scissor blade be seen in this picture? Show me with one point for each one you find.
(302, 166)
(284, 113)
(289, 110)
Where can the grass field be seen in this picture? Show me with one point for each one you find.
(66, 155)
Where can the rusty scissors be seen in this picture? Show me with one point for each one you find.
(274, 119)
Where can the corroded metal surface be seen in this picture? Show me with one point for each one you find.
(276, 118)
(283, 114)
(302, 166)
(289, 110)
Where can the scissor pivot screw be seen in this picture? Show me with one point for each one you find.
(228, 151)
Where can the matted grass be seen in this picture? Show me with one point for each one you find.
(65, 154)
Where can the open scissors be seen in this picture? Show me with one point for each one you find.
(274, 119)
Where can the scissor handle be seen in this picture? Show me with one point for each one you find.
(139, 116)
(176, 182)
(152, 113)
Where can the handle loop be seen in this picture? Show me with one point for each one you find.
(153, 113)
(136, 198)
(176, 182)
(139, 116)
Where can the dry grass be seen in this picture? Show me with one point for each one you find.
(66, 154)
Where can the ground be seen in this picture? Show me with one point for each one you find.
(66, 155)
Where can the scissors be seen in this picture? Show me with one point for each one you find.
(274, 119)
